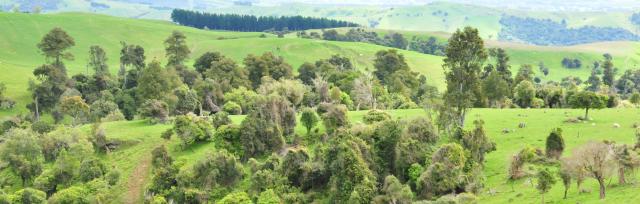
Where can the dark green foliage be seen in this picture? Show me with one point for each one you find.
(90, 169)
(608, 76)
(309, 119)
(113, 176)
(571, 63)
(266, 65)
(588, 100)
(167, 134)
(375, 115)
(423, 130)
(430, 46)
(156, 110)
(555, 144)
(192, 129)
(252, 23)
(206, 60)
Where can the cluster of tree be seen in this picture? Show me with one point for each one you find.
(597, 160)
(61, 166)
(635, 18)
(386, 160)
(548, 32)
(395, 40)
(5, 102)
(237, 22)
(571, 63)
(491, 85)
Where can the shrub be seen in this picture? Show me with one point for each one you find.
(232, 108)
(375, 115)
(156, 110)
(555, 144)
(309, 119)
(42, 127)
(191, 128)
(113, 176)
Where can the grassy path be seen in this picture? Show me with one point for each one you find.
(137, 181)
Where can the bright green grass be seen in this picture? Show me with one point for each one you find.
(539, 123)
(21, 32)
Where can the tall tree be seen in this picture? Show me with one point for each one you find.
(176, 48)
(55, 43)
(156, 82)
(609, 73)
(98, 61)
(463, 61)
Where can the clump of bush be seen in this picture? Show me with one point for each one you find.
(232, 108)
(375, 115)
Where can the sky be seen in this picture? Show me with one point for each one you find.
(559, 5)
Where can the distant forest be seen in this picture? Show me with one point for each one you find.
(548, 32)
(235, 22)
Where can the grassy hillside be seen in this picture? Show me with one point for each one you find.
(133, 160)
(21, 32)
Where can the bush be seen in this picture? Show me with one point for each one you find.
(42, 127)
(232, 108)
(374, 116)
(555, 144)
(220, 119)
(191, 129)
(156, 110)
(113, 176)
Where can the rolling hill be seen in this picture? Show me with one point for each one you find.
(21, 32)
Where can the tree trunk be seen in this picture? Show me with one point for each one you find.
(602, 188)
(621, 179)
(37, 109)
(565, 193)
(586, 114)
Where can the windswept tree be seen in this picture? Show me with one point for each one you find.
(54, 45)
(176, 48)
(597, 159)
(465, 55)
(588, 100)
